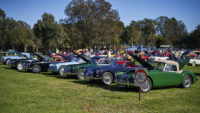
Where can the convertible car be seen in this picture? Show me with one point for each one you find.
(42, 63)
(195, 61)
(17, 63)
(160, 73)
(6, 59)
(56, 66)
(106, 73)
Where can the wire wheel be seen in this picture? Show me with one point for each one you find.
(19, 66)
(107, 78)
(61, 70)
(7, 61)
(147, 86)
(193, 63)
(36, 68)
(187, 81)
(80, 74)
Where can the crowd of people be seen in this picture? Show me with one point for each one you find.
(172, 54)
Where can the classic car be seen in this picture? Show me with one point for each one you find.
(6, 59)
(42, 63)
(55, 66)
(17, 63)
(195, 61)
(160, 73)
(158, 58)
(78, 69)
(106, 73)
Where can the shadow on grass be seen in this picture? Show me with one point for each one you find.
(47, 74)
(197, 74)
(113, 87)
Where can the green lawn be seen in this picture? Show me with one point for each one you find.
(23, 92)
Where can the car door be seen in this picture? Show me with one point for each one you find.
(171, 76)
(165, 77)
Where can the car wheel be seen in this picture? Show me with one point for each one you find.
(7, 61)
(61, 70)
(107, 78)
(36, 68)
(80, 74)
(187, 81)
(147, 86)
(193, 63)
(19, 66)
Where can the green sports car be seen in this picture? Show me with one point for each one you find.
(160, 73)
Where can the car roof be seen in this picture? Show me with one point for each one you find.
(167, 62)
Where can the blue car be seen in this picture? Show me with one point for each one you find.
(107, 73)
(6, 59)
(17, 63)
(56, 66)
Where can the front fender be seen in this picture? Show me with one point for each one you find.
(194, 77)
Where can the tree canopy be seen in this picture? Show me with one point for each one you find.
(93, 23)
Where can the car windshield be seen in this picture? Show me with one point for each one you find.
(68, 57)
(37, 57)
(158, 65)
(104, 61)
(95, 60)
(113, 62)
(23, 55)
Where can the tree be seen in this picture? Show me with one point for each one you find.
(193, 41)
(134, 34)
(22, 36)
(170, 29)
(7, 26)
(92, 23)
(2, 17)
(2, 14)
(148, 31)
(51, 34)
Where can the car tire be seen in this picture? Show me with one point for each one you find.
(193, 63)
(7, 61)
(36, 69)
(19, 66)
(187, 81)
(61, 70)
(147, 86)
(107, 78)
(13, 67)
(80, 74)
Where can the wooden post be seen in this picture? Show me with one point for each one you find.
(139, 92)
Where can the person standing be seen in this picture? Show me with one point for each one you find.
(109, 54)
(57, 51)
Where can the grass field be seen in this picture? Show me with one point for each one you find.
(23, 92)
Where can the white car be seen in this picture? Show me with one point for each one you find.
(195, 61)
(158, 58)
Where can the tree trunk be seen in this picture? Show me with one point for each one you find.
(25, 48)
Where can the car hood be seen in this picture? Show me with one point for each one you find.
(142, 62)
(11, 57)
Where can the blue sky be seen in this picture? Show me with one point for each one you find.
(186, 10)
